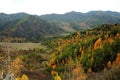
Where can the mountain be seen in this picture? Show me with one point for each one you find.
(78, 20)
(10, 17)
(38, 27)
(30, 27)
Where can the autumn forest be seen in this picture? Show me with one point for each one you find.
(72, 46)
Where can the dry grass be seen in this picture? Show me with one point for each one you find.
(22, 46)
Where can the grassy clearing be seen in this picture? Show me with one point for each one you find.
(23, 46)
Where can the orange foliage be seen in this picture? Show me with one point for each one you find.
(80, 50)
(52, 61)
(54, 67)
(24, 77)
(53, 73)
(57, 77)
(78, 74)
(16, 66)
(89, 70)
(111, 40)
(82, 53)
(109, 64)
(98, 44)
(118, 59)
(77, 70)
(63, 61)
(17, 78)
(118, 35)
(48, 64)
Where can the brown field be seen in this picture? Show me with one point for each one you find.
(22, 46)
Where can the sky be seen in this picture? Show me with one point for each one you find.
(40, 7)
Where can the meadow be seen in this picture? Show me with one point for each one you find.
(22, 46)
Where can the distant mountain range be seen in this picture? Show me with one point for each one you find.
(38, 27)
(10, 17)
(78, 20)
(30, 27)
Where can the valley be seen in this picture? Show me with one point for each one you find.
(70, 46)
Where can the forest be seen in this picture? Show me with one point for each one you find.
(87, 55)
(92, 54)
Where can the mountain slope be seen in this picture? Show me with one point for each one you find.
(10, 17)
(25, 25)
(71, 21)
(79, 20)
(86, 54)
(30, 27)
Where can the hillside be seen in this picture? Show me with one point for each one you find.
(25, 25)
(87, 54)
(92, 54)
(10, 17)
(78, 20)
(73, 46)
(31, 28)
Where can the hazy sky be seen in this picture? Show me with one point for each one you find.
(57, 6)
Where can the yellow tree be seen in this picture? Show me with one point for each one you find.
(109, 64)
(98, 44)
(53, 72)
(78, 73)
(16, 66)
(24, 77)
(118, 59)
(57, 77)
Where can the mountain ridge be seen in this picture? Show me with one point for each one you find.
(30, 27)
(81, 20)
(53, 24)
